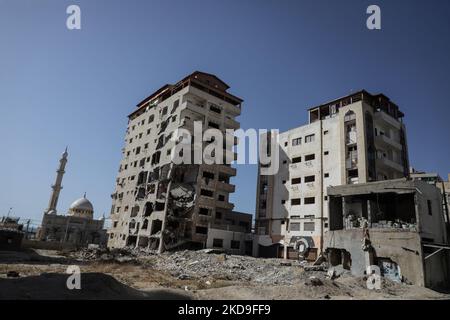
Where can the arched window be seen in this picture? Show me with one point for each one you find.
(349, 116)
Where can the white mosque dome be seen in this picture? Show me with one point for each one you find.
(82, 207)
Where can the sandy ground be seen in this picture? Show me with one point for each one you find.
(42, 275)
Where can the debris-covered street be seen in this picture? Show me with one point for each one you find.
(205, 274)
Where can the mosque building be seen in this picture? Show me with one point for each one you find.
(78, 227)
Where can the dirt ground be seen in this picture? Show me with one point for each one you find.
(182, 275)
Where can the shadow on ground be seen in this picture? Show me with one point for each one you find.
(52, 286)
(31, 256)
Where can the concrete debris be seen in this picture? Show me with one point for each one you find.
(335, 272)
(313, 281)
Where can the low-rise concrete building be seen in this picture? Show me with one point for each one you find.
(11, 234)
(397, 225)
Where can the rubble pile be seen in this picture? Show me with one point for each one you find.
(209, 265)
(116, 255)
(212, 266)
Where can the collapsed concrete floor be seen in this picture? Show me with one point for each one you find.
(184, 274)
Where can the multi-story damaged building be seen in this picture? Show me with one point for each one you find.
(163, 205)
(397, 226)
(354, 139)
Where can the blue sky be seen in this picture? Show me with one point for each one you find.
(60, 87)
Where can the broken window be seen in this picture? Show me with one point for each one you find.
(134, 211)
(159, 206)
(148, 209)
(156, 226)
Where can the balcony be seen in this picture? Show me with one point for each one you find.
(385, 141)
(384, 117)
(387, 163)
(225, 205)
(231, 123)
(227, 187)
(227, 169)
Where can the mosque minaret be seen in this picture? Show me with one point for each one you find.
(57, 186)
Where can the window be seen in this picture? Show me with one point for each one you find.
(309, 138)
(204, 211)
(234, 244)
(221, 197)
(138, 150)
(310, 157)
(284, 161)
(326, 153)
(174, 118)
(295, 202)
(310, 200)
(283, 201)
(218, 243)
(201, 230)
(164, 111)
(309, 226)
(296, 180)
(213, 125)
(295, 226)
(148, 131)
(430, 212)
(151, 118)
(297, 160)
(297, 141)
(310, 179)
(215, 108)
(206, 193)
(326, 175)
(208, 175)
(286, 144)
(325, 132)
(146, 146)
(284, 181)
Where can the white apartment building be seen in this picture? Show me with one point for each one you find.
(162, 205)
(354, 139)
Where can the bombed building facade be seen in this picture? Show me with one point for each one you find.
(354, 139)
(162, 205)
(397, 225)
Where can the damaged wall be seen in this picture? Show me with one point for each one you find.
(404, 248)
